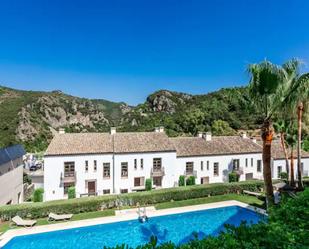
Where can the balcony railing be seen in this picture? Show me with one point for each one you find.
(156, 172)
(190, 173)
(68, 177)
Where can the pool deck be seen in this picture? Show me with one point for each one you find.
(121, 215)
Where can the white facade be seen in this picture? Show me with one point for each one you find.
(140, 165)
(122, 172)
(205, 172)
(279, 165)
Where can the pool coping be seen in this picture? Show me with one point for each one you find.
(122, 215)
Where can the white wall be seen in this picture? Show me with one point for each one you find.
(281, 162)
(54, 167)
(225, 166)
(168, 163)
(11, 186)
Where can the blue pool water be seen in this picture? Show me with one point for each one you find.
(178, 228)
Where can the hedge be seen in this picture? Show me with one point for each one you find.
(89, 204)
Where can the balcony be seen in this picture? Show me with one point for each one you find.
(239, 170)
(68, 177)
(190, 173)
(157, 172)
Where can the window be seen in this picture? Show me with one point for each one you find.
(69, 169)
(157, 163)
(123, 191)
(251, 162)
(207, 165)
(216, 169)
(202, 165)
(142, 163)
(86, 166)
(95, 165)
(259, 166)
(138, 181)
(135, 163)
(246, 162)
(106, 170)
(124, 169)
(66, 186)
(189, 167)
(236, 164)
(279, 171)
(106, 191)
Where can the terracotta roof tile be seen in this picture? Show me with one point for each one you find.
(221, 145)
(80, 143)
(126, 142)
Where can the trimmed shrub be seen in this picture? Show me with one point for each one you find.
(284, 176)
(71, 193)
(181, 181)
(233, 177)
(38, 195)
(148, 184)
(190, 181)
(90, 204)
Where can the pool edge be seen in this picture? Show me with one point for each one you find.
(10, 234)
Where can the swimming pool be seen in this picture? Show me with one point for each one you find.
(178, 228)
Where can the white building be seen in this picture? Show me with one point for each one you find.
(120, 162)
(11, 175)
(279, 164)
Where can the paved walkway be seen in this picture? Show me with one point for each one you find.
(121, 215)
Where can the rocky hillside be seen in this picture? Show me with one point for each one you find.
(32, 117)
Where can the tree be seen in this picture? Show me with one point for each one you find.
(148, 184)
(300, 95)
(38, 195)
(292, 141)
(71, 193)
(281, 128)
(272, 89)
(222, 128)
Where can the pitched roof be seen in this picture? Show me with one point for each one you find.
(11, 153)
(126, 142)
(100, 143)
(80, 143)
(221, 145)
(277, 151)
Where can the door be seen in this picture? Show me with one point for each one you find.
(157, 181)
(91, 187)
(205, 180)
(249, 176)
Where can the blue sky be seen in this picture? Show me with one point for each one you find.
(123, 50)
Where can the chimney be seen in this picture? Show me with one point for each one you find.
(61, 131)
(244, 135)
(113, 130)
(200, 134)
(161, 129)
(207, 136)
(157, 129)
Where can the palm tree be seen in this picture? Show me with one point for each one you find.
(271, 87)
(281, 128)
(292, 141)
(300, 82)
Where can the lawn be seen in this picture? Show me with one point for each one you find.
(251, 200)
(82, 216)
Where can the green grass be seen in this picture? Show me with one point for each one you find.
(251, 200)
(82, 216)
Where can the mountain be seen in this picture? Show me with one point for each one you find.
(32, 117)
